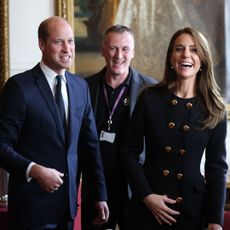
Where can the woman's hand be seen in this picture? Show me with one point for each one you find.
(214, 227)
(157, 205)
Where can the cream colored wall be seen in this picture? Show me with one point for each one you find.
(24, 18)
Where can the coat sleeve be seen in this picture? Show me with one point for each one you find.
(132, 148)
(215, 173)
(12, 115)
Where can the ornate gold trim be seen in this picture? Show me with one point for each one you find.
(4, 75)
(65, 9)
(228, 112)
(4, 43)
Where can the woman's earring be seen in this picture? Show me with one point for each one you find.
(171, 67)
(200, 69)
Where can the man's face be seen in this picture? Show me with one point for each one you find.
(118, 51)
(58, 50)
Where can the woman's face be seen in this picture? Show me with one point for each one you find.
(184, 58)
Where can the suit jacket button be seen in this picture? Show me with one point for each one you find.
(182, 152)
(171, 125)
(168, 149)
(179, 199)
(166, 172)
(185, 128)
(179, 176)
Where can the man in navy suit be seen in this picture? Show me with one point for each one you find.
(114, 91)
(41, 155)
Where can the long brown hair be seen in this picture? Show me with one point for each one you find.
(207, 90)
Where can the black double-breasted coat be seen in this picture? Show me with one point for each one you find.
(175, 144)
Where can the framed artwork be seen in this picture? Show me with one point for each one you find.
(153, 23)
(91, 18)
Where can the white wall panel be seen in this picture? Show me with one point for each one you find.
(24, 19)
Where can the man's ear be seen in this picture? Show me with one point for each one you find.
(41, 44)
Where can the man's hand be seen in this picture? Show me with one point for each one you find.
(102, 213)
(157, 205)
(49, 179)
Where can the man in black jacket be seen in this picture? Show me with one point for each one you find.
(114, 91)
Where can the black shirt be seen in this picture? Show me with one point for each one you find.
(120, 118)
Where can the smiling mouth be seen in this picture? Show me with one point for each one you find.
(66, 58)
(186, 64)
(119, 63)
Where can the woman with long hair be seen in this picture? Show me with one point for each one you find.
(181, 118)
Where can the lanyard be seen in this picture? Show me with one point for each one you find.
(115, 104)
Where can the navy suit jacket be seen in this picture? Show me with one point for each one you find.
(30, 130)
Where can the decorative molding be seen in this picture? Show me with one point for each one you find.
(65, 9)
(4, 42)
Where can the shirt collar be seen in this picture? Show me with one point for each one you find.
(49, 73)
(126, 82)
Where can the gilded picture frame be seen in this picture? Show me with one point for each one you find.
(4, 75)
(65, 9)
(4, 43)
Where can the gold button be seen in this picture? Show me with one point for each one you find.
(171, 125)
(179, 176)
(189, 105)
(168, 149)
(182, 152)
(179, 199)
(166, 172)
(185, 128)
(174, 102)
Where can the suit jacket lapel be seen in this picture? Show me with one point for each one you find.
(48, 97)
(71, 110)
(74, 97)
(135, 89)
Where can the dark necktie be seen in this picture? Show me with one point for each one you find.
(59, 101)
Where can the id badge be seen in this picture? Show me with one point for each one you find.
(105, 136)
